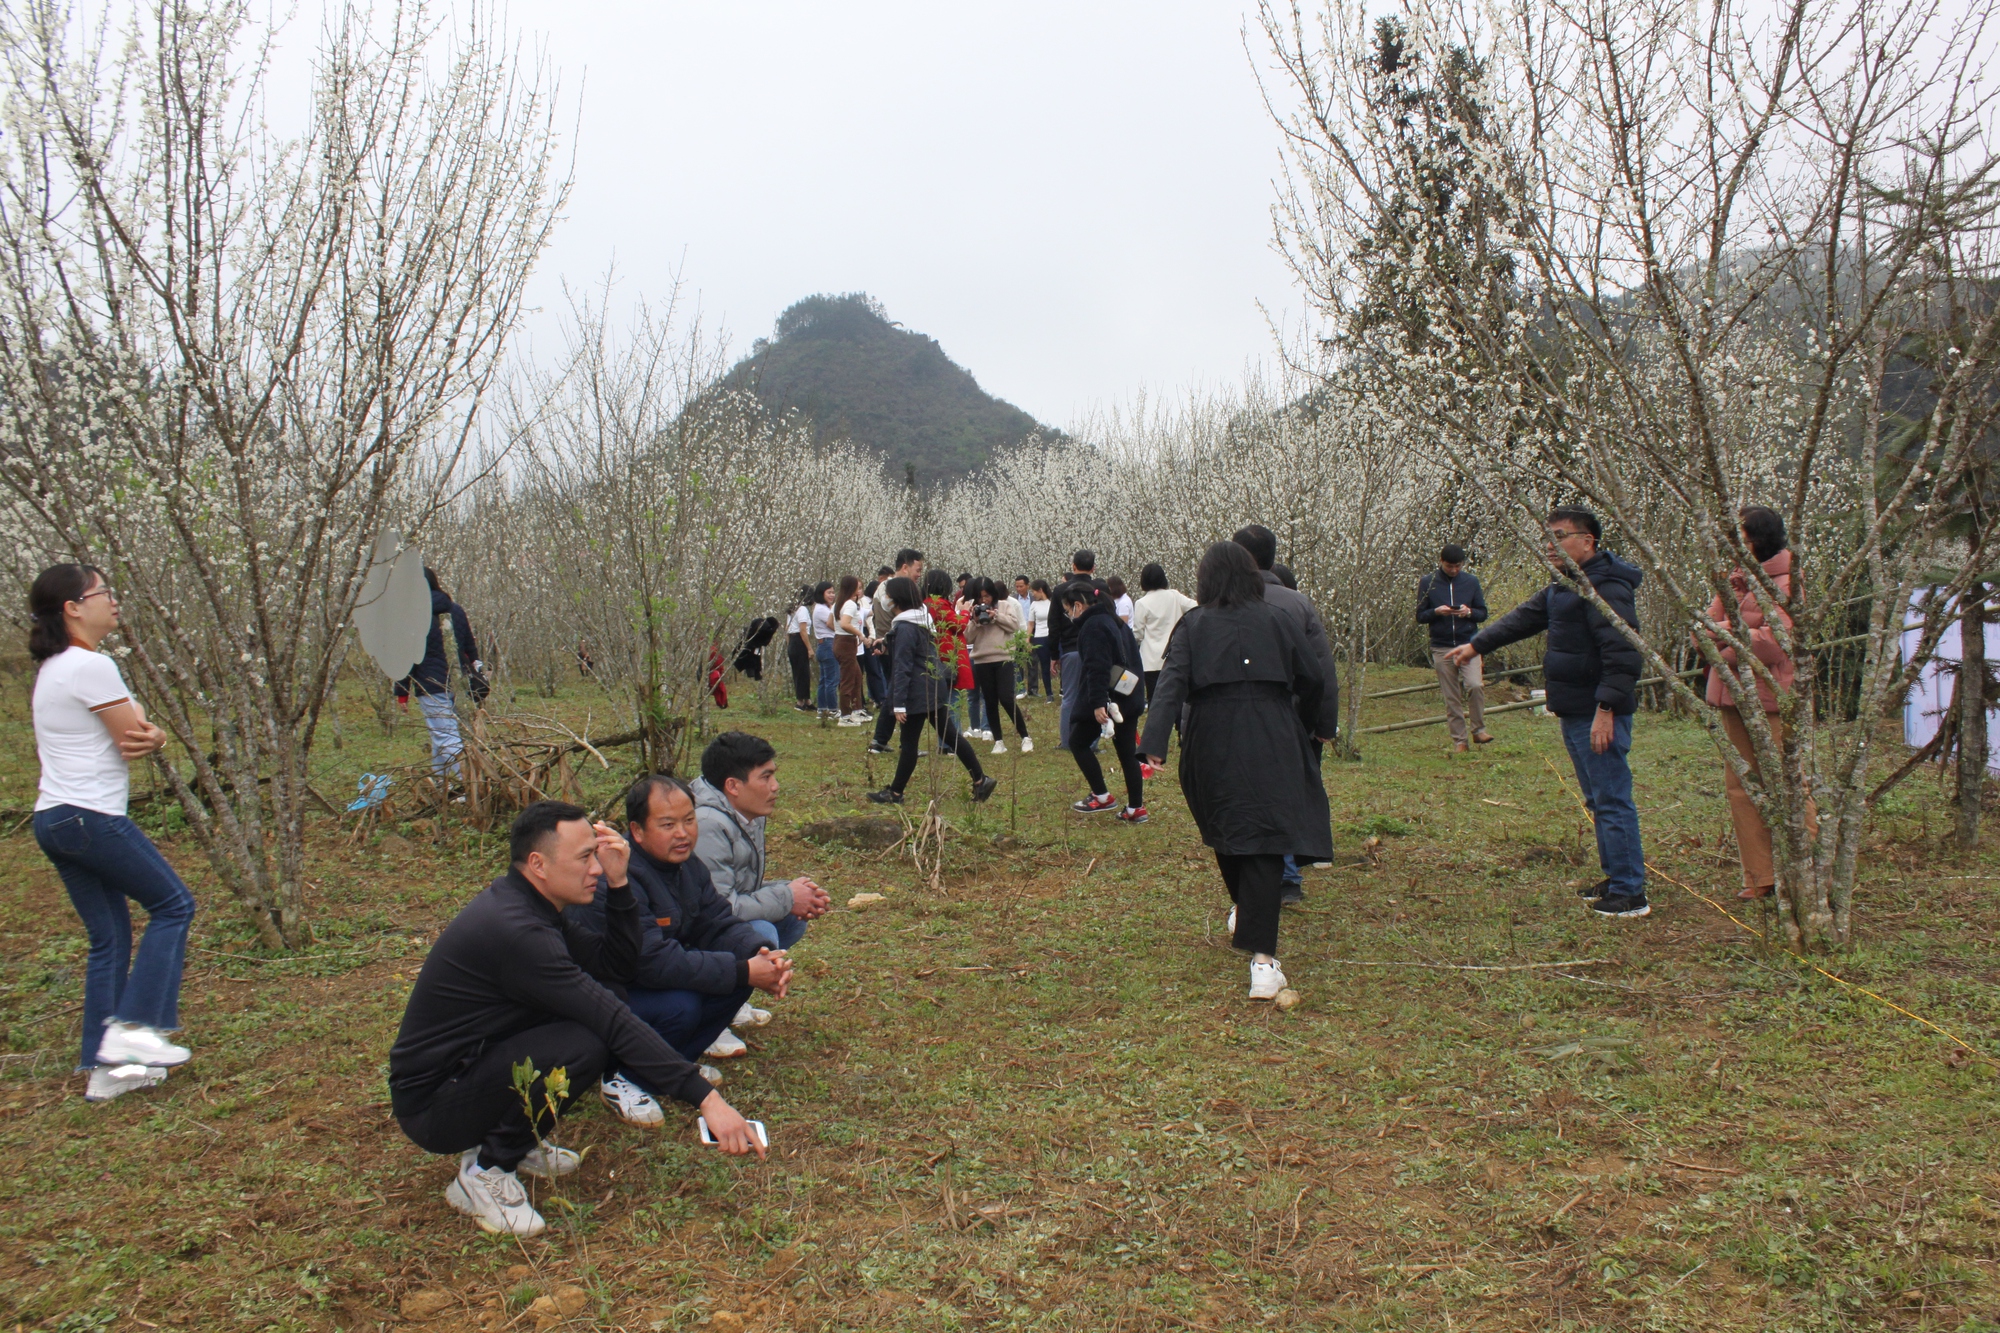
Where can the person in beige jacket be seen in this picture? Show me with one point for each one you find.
(994, 618)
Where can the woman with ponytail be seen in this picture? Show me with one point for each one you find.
(88, 728)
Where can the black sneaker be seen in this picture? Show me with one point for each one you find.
(1622, 904)
(984, 787)
(1592, 892)
(1291, 895)
(873, 748)
(887, 796)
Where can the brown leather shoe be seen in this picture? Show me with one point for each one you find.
(1482, 737)
(1459, 747)
(1750, 895)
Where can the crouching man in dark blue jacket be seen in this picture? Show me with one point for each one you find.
(1592, 671)
(697, 962)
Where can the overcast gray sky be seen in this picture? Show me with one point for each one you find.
(1072, 198)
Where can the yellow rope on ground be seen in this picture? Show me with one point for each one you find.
(1944, 1032)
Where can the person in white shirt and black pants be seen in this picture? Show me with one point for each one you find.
(799, 650)
(88, 728)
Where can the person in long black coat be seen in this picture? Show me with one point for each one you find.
(1242, 680)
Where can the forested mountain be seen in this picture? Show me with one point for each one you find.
(856, 374)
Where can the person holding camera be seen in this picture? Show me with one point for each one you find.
(996, 619)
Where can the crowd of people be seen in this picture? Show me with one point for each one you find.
(627, 956)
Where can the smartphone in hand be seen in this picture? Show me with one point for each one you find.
(708, 1135)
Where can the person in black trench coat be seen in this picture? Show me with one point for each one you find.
(1242, 679)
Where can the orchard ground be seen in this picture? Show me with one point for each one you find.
(1039, 1098)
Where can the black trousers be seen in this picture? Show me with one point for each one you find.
(802, 668)
(995, 680)
(1254, 884)
(948, 738)
(479, 1107)
(1124, 737)
(1040, 666)
(885, 722)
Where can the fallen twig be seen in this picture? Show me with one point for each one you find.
(1697, 1166)
(1472, 967)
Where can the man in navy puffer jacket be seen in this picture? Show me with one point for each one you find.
(1591, 671)
(697, 963)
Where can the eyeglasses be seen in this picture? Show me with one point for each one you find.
(1555, 535)
(104, 591)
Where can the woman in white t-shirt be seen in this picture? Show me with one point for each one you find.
(1121, 601)
(1040, 663)
(828, 697)
(799, 649)
(87, 729)
(849, 613)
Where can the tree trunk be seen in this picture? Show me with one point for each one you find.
(1972, 713)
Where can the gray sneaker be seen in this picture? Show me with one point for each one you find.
(493, 1198)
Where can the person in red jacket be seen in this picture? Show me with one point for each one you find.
(949, 618)
(1764, 534)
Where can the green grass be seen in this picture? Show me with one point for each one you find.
(1039, 1100)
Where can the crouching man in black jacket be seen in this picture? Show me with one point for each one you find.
(697, 962)
(512, 979)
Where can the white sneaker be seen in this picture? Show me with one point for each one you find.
(1232, 921)
(1266, 980)
(711, 1073)
(750, 1016)
(850, 720)
(725, 1047)
(493, 1198)
(137, 1044)
(630, 1102)
(1027, 745)
(999, 747)
(546, 1161)
(108, 1081)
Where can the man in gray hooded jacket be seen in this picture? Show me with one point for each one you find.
(733, 797)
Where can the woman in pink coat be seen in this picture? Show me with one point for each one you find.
(1764, 534)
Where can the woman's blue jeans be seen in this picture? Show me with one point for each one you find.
(104, 861)
(829, 676)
